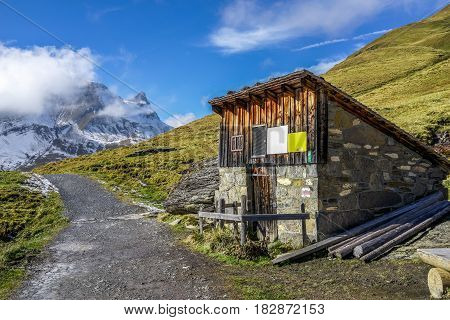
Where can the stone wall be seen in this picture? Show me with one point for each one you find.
(289, 183)
(297, 186)
(232, 186)
(367, 173)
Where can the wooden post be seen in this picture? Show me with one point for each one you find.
(221, 210)
(304, 235)
(235, 211)
(243, 223)
(200, 221)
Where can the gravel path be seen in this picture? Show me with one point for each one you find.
(111, 251)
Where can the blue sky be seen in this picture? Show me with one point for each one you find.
(183, 52)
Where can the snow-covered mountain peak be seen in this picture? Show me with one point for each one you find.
(93, 119)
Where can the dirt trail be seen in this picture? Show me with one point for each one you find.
(110, 251)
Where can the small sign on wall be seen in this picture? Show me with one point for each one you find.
(306, 192)
(297, 142)
(277, 140)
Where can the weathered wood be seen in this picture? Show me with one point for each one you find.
(438, 282)
(252, 217)
(219, 216)
(302, 78)
(419, 216)
(278, 216)
(235, 212)
(437, 257)
(380, 233)
(243, 229)
(222, 211)
(297, 254)
(304, 235)
(405, 236)
(332, 248)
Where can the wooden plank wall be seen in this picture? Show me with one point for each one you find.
(302, 109)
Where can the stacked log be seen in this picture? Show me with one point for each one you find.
(378, 236)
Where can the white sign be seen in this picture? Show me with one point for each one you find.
(306, 192)
(277, 140)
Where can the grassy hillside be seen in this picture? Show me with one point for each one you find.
(404, 76)
(148, 170)
(28, 220)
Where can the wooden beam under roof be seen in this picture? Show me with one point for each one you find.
(256, 98)
(288, 89)
(271, 94)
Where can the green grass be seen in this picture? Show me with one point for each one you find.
(403, 75)
(221, 244)
(28, 221)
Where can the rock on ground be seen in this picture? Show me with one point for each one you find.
(195, 189)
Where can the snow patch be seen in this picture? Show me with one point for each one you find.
(38, 183)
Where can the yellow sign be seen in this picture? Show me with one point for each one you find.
(297, 142)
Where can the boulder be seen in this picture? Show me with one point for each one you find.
(195, 189)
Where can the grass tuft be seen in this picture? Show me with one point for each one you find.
(28, 221)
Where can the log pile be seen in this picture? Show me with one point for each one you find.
(375, 238)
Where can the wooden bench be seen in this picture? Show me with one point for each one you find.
(244, 217)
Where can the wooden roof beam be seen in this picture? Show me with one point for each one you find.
(288, 89)
(217, 109)
(271, 94)
(240, 101)
(256, 98)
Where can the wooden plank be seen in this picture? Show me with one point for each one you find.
(278, 216)
(222, 211)
(437, 257)
(404, 236)
(243, 226)
(368, 246)
(220, 216)
(298, 120)
(251, 217)
(297, 254)
(227, 137)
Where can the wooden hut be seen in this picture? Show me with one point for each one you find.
(298, 144)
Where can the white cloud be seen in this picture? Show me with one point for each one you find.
(320, 44)
(250, 24)
(178, 120)
(328, 42)
(325, 64)
(322, 66)
(365, 35)
(29, 77)
(115, 109)
(204, 101)
(96, 15)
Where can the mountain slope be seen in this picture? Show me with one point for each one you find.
(403, 75)
(148, 170)
(91, 120)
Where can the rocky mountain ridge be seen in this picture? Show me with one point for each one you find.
(93, 119)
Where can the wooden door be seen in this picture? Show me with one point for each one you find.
(263, 199)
